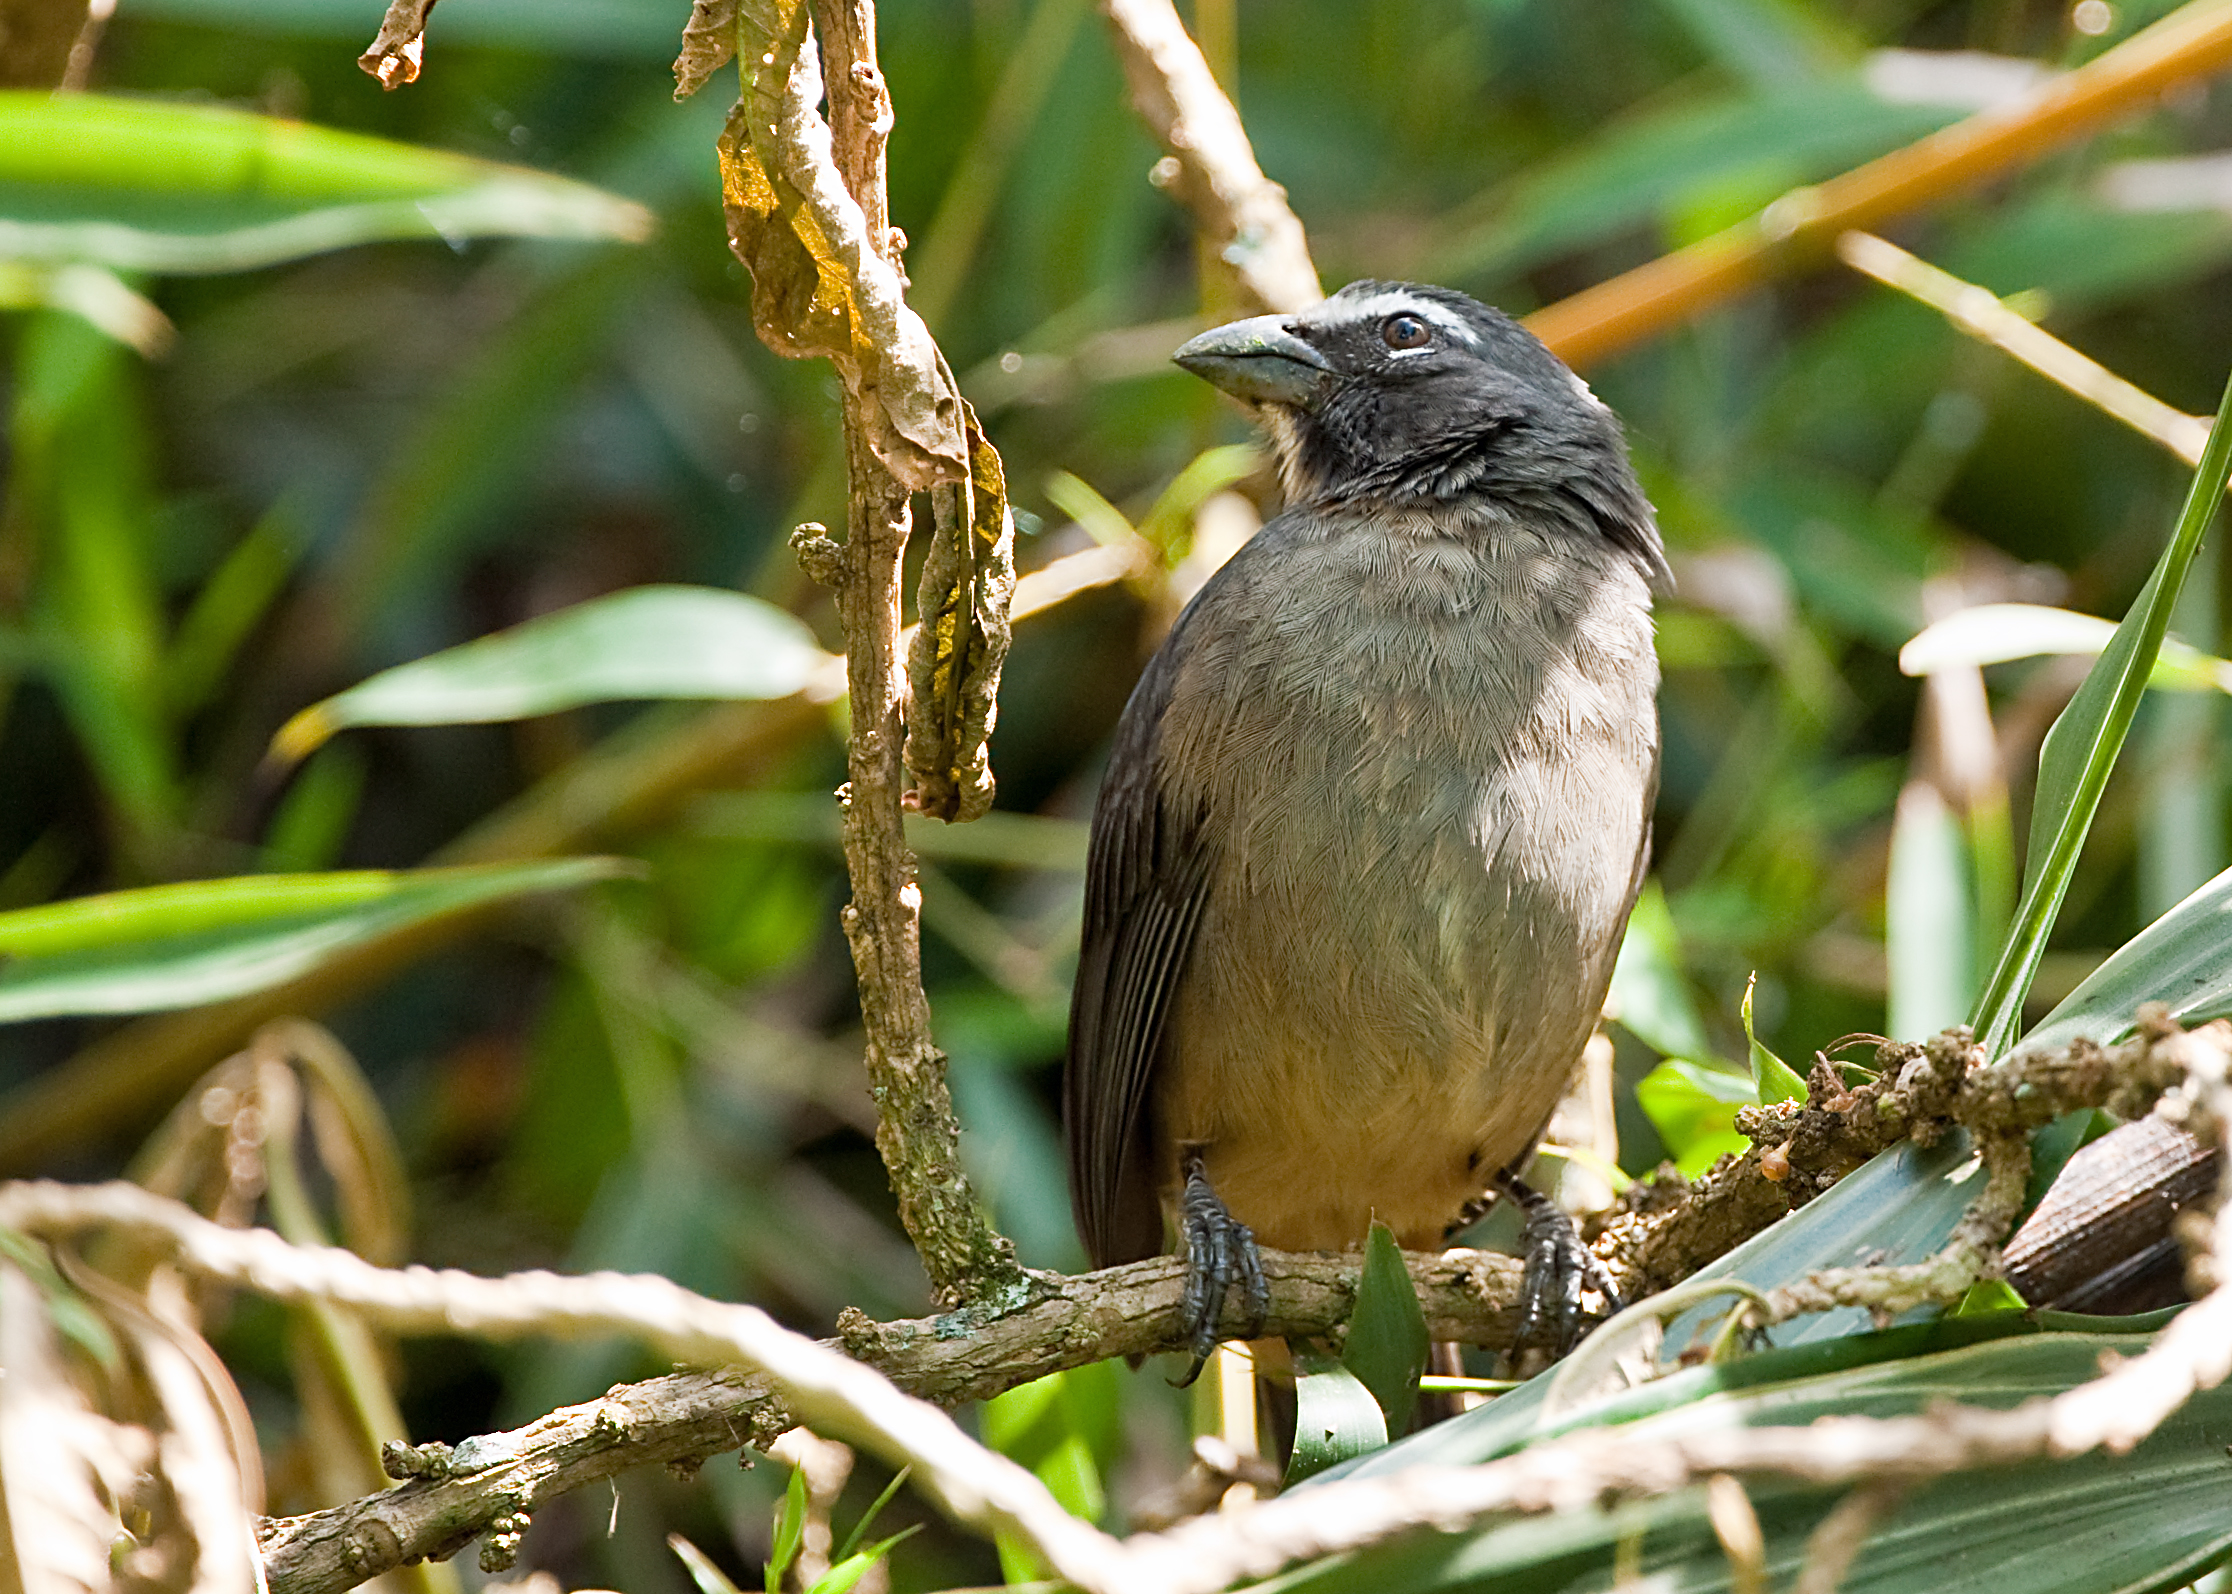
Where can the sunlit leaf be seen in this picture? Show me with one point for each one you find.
(2081, 749)
(148, 185)
(2148, 1520)
(94, 294)
(647, 642)
(1996, 633)
(1693, 1107)
(207, 940)
(1336, 1418)
(1928, 914)
(1387, 1342)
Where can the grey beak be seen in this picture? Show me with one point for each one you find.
(1259, 360)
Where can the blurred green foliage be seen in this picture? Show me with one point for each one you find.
(351, 461)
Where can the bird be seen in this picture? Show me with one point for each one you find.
(1375, 814)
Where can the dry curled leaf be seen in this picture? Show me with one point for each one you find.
(821, 285)
(400, 45)
(968, 583)
(708, 44)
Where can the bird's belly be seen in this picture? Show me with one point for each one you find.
(1380, 1014)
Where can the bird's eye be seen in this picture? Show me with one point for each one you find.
(1405, 332)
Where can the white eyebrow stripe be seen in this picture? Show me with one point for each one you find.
(1398, 303)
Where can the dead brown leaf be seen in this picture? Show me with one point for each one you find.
(968, 584)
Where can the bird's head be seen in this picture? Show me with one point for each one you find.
(1406, 394)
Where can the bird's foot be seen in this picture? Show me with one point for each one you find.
(1220, 1252)
(1558, 1267)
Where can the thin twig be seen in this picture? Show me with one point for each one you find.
(1982, 314)
(1798, 228)
(970, 1355)
(1241, 215)
(818, 1385)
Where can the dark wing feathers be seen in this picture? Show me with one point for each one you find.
(1145, 882)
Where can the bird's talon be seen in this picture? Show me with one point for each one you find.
(1558, 1267)
(1220, 1252)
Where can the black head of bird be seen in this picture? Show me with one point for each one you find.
(1409, 394)
(1376, 811)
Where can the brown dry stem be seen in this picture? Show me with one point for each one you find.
(1799, 228)
(1240, 215)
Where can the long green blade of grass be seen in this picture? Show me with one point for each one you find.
(2081, 749)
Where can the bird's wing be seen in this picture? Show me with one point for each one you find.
(1146, 879)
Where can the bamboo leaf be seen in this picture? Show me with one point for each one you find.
(1998, 633)
(204, 941)
(2081, 749)
(2182, 960)
(647, 642)
(1336, 1418)
(1928, 915)
(147, 185)
(1387, 1340)
(2152, 1519)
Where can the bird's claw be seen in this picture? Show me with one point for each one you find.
(1558, 1267)
(1220, 1252)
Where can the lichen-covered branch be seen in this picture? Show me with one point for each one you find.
(1801, 1149)
(806, 214)
(1241, 215)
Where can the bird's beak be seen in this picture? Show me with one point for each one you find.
(1259, 360)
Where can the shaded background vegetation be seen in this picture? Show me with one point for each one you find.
(356, 460)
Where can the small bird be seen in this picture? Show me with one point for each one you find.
(1376, 812)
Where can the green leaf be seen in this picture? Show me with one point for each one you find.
(149, 185)
(875, 1510)
(2182, 960)
(1771, 1076)
(1387, 1343)
(1928, 916)
(1336, 1418)
(647, 642)
(2152, 1519)
(208, 940)
(1987, 1296)
(1644, 166)
(95, 295)
(1169, 524)
(1693, 1107)
(790, 1529)
(1650, 998)
(2081, 749)
(603, 30)
(850, 1569)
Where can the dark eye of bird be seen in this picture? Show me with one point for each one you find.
(1405, 332)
